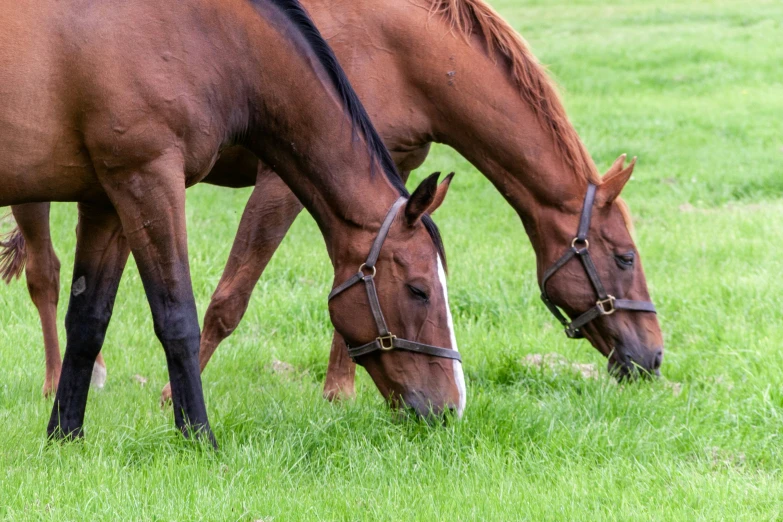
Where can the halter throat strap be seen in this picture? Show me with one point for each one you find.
(606, 304)
(386, 341)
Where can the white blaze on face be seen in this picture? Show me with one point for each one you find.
(459, 377)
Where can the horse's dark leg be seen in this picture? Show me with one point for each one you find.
(268, 215)
(151, 205)
(101, 254)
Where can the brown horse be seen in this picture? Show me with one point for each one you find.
(121, 105)
(456, 74)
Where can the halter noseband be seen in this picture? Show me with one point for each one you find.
(606, 304)
(385, 341)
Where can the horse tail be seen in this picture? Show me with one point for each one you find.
(13, 255)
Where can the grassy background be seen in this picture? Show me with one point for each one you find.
(695, 89)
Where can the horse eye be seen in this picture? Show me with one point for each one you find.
(625, 260)
(419, 293)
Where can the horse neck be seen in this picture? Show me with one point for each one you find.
(494, 127)
(504, 139)
(312, 143)
(467, 99)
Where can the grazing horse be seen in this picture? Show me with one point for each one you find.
(454, 72)
(121, 105)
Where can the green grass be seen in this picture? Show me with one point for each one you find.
(695, 89)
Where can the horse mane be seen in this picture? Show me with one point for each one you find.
(471, 17)
(360, 120)
(625, 211)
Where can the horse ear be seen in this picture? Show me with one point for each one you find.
(614, 181)
(440, 193)
(617, 166)
(422, 199)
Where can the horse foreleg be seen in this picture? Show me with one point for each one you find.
(341, 373)
(151, 205)
(268, 215)
(101, 254)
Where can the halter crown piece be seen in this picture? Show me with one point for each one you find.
(386, 341)
(606, 304)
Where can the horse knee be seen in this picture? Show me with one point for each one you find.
(43, 280)
(85, 334)
(178, 331)
(225, 311)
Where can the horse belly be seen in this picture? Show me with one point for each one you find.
(236, 168)
(38, 177)
(42, 157)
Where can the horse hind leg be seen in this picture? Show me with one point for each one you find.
(42, 272)
(101, 254)
(35, 252)
(99, 373)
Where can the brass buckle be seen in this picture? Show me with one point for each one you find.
(602, 305)
(361, 271)
(389, 339)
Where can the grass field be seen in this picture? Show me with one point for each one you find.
(695, 89)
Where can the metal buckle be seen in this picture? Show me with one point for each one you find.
(577, 240)
(389, 339)
(602, 305)
(361, 271)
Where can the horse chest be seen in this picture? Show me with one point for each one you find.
(409, 157)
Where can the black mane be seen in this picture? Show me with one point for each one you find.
(353, 107)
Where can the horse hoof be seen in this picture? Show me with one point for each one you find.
(49, 389)
(50, 386)
(339, 394)
(60, 434)
(98, 379)
(165, 395)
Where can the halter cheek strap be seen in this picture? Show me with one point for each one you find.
(606, 304)
(385, 341)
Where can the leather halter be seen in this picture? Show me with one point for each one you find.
(386, 341)
(606, 304)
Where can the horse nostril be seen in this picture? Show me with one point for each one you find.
(657, 360)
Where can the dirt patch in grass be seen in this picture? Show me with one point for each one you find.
(557, 363)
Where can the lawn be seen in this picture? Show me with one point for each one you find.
(695, 89)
